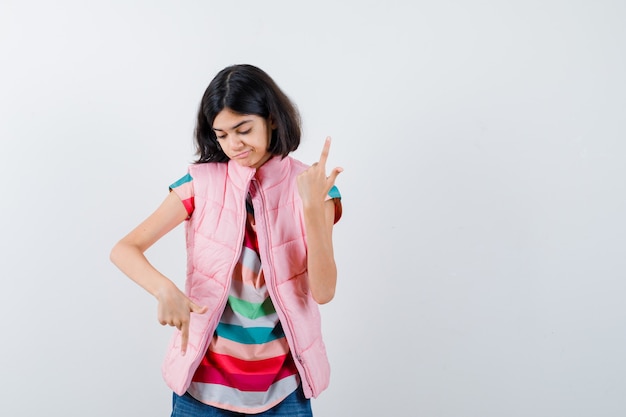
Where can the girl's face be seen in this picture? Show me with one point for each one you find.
(244, 138)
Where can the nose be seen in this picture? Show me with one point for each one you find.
(232, 141)
(235, 142)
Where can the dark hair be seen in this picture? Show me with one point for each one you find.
(246, 89)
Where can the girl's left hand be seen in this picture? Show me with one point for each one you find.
(313, 184)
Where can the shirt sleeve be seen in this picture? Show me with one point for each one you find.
(184, 190)
(335, 195)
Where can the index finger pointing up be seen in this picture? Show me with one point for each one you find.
(325, 150)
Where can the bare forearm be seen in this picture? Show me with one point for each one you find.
(128, 253)
(133, 263)
(321, 259)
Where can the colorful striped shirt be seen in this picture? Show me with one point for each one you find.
(248, 367)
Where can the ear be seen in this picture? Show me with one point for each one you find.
(272, 123)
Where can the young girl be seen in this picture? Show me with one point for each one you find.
(259, 258)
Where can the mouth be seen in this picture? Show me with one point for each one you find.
(242, 155)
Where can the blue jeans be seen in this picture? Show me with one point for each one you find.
(295, 405)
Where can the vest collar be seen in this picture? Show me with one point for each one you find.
(271, 173)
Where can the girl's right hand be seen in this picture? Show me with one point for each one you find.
(174, 309)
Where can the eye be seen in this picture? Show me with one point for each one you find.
(220, 137)
(245, 132)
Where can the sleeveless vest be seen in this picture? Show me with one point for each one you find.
(214, 238)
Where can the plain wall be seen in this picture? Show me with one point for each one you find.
(481, 253)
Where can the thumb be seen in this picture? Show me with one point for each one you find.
(334, 173)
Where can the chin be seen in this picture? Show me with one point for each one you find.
(248, 164)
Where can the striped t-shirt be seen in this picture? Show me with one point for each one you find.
(248, 367)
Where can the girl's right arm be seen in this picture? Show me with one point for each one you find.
(128, 255)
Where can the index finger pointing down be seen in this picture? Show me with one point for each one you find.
(184, 338)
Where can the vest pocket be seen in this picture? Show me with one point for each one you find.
(290, 263)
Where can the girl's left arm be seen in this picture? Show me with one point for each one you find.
(319, 218)
(318, 221)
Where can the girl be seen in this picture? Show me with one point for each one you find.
(259, 258)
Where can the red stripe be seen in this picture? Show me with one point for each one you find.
(239, 366)
(189, 205)
(338, 209)
(258, 383)
(250, 239)
(249, 376)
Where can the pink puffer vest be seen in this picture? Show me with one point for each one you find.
(214, 241)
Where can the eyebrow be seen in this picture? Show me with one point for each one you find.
(234, 127)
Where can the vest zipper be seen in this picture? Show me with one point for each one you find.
(291, 340)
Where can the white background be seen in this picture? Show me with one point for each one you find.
(481, 252)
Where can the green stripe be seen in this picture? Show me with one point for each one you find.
(251, 310)
(249, 335)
